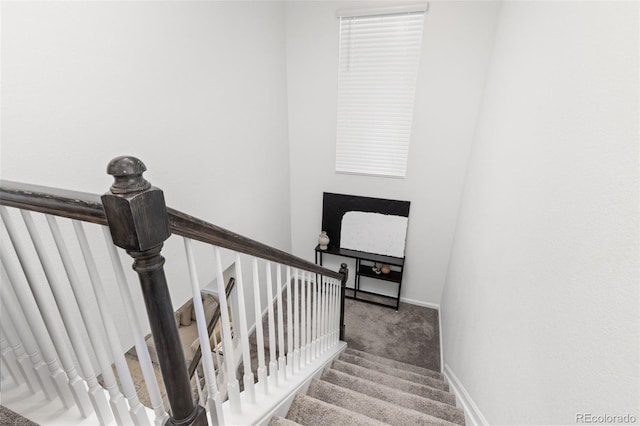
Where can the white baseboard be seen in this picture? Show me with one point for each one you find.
(472, 412)
(420, 303)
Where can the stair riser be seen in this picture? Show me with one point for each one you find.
(360, 389)
(395, 396)
(370, 407)
(396, 364)
(310, 411)
(394, 382)
(402, 374)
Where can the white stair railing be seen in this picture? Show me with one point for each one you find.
(45, 347)
(45, 332)
(68, 382)
(56, 377)
(138, 414)
(311, 313)
(20, 368)
(9, 360)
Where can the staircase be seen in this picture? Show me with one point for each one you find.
(364, 389)
(71, 316)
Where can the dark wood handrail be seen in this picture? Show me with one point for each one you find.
(88, 208)
(210, 327)
(196, 229)
(59, 202)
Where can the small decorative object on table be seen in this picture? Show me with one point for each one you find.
(385, 269)
(323, 240)
(376, 268)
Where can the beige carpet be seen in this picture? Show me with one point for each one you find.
(367, 390)
(138, 380)
(410, 335)
(187, 335)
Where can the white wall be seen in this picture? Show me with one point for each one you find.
(197, 90)
(540, 309)
(455, 52)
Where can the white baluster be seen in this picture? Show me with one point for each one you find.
(24, 364)
(142, 351)
(289, 325)
(53, 321)
(314, 323)
(337, 314)
(303, 321)
(96, 395)
(273, 363)
(296, 322)
(330, 322)
(136, 409)
(334, 314)
(282, 364)
(214, 401)
(336, 311)
(247, 379)
(329, 311)
(10, 361)
(330, 316)
(320, 314)
(327, 331)
(30, 346)
(232, 386)
(31, 312)
(309, 295)
(325, 315)
(262, 368)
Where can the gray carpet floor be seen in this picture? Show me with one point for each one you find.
(410, 335)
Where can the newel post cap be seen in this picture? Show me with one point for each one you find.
(136, 211)
(344, 270)
(127, 174)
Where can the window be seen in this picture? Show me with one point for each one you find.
(378, 67)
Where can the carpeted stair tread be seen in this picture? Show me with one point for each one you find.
(369, 406)
(395, 396)
(402, 374)
(396, 364)
(394, 382)
(281, 421)
(309, 411)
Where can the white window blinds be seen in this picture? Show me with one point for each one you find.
(379, 57)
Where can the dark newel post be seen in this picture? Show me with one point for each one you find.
(344, 271)
(138, 221)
